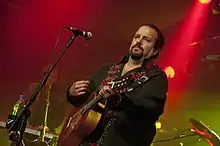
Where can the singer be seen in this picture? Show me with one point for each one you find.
(130, 122)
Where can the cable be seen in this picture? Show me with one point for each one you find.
(179, 133)
(173, 138)
(55, 47)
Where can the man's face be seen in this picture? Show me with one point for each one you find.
(142, 45)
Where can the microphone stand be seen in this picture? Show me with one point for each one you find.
(17, 128)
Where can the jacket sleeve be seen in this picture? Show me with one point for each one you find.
(153, 92)
(77, 101)
(151, 97)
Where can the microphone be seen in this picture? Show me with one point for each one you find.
(78, 32)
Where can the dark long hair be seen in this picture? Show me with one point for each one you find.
(160, 39)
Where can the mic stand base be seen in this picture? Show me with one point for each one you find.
(16, 135)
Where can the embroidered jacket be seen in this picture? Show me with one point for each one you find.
(138, 110)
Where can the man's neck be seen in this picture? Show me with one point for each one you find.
(130, 65)
(134, 63)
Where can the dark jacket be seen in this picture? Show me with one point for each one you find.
(138, 110)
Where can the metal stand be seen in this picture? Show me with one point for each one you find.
(42, 135)
(41, 138)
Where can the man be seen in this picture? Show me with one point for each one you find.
(136, 113)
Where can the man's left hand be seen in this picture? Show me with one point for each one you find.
(106, 92)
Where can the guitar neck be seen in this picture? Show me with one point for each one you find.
(91, 103)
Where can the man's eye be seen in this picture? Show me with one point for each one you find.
(147, 40)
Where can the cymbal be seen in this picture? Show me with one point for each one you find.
(204, 131)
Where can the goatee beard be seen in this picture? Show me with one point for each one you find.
(135, 56)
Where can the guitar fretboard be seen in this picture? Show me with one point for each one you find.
(91, 104)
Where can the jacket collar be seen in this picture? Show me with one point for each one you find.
(146, 63)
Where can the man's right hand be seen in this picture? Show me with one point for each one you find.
(78, 88)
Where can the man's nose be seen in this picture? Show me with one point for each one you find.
(139, 42)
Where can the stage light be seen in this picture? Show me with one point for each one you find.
(158, 125)
(205, 1)
(169, 72)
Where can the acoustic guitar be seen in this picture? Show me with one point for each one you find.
(82, 121)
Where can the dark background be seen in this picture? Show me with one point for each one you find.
(29, 29)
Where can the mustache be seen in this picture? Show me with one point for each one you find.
(137, 45)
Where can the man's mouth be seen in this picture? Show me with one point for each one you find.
(137, 47)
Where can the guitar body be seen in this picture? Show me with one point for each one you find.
(83, 121)
(77, 127)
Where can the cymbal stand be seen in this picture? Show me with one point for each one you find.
(42, 135)
(41, 138)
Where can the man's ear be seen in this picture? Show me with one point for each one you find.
(156, 51)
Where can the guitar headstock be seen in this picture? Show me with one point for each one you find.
(122, 84)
